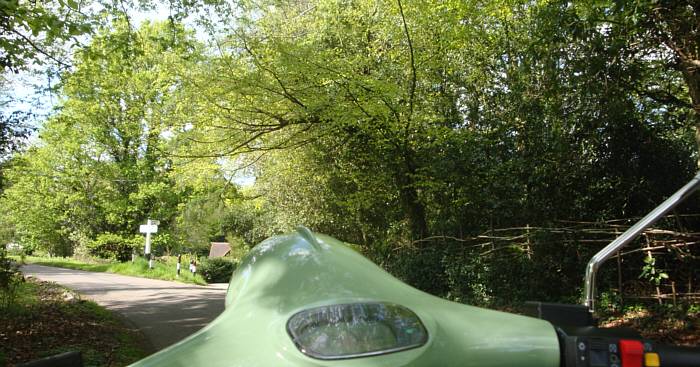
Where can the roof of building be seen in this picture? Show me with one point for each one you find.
(219, 249)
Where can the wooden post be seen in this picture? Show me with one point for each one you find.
(148, 249)
(619, 280)
(673, 292)
(690, 283)
(529, 248)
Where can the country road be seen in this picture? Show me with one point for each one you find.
(165, 312)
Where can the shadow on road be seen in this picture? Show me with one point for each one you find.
(166, 312)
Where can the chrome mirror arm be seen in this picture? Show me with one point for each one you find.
(630, 234)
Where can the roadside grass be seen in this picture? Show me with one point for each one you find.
(69, 263)
(46, 319)
(164, 269)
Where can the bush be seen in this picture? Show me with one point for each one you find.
(10, 280)
(113, 246)
(217, 270)
(163, 244)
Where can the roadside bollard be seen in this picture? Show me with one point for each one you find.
(179, 259)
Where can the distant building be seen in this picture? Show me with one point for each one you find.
(219, 249)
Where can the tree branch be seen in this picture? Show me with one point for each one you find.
(259, 64)
(39, 50)
(412, 87)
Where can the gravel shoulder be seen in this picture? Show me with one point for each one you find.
(165, 312)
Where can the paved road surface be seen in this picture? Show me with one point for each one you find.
(165, 312)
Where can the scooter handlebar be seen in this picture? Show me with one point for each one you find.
(616, 347)
(676, 356)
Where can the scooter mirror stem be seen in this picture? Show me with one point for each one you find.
(630, 234)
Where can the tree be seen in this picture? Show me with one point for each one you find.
(31, 33)
(34, 30)
(413, 129)
(354, 79)
(14, 131)
(101, 163)
(406, 126)
(658, 37)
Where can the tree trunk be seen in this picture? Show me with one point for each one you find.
(691, 74)
(413, 207)
(678, 24)
(415, 211)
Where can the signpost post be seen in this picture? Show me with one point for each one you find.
(151, 226)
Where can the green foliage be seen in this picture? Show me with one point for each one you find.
(114, 247)
(164, 270)
(651, 273)
(249, 221)
(161, 244)
(217, 270)
(99, 166)
(239, 247)
(413, 129)
(31, 29)
(388, 125)
(200, 219)
(10, 281)
(14, 130)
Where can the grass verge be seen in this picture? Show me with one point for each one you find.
(164, 270)
(47, 319)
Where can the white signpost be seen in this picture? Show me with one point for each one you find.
(151, 226)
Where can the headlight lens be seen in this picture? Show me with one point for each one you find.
(356, 330)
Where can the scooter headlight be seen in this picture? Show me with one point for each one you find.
(356, 330)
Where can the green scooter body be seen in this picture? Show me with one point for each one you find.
(288, 274)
